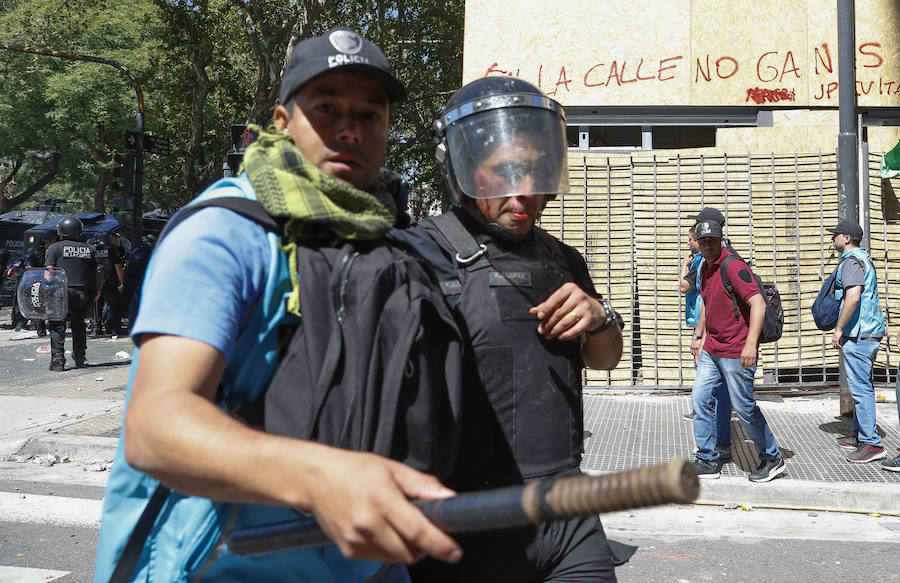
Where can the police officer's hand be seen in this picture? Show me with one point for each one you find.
(361, 501)
(568, 313)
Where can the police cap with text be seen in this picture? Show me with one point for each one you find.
(340, 49)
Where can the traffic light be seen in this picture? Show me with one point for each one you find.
(123, 173)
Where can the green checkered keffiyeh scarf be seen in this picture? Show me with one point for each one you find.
(315, 206)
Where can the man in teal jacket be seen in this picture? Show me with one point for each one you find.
(858, 334)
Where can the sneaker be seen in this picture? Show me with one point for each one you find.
(891, 465)
(80, 363)
(57, 366)
(767, 470)
(866, 453)
(689, 416)
(848, 442)
(724, 453)
(707, 470)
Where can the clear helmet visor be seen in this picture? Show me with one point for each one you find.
(509, 151)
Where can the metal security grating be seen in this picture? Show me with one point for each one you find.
(628, 215)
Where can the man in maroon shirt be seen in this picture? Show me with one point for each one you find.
(727, 346)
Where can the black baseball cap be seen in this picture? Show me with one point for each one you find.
(847, 227)
(339, 49)
(709, 213)
(708, 229)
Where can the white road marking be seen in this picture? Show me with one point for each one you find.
(53, 510)
(27, 575)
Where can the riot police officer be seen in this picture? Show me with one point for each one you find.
(111, 272)
(79, 262)
(135, 268)
(531, 314)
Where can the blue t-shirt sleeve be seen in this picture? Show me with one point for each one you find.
(203, 278)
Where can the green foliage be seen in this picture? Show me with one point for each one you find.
(202, 66)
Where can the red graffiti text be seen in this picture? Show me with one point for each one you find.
(760, 96)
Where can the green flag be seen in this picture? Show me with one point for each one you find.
(890, 163)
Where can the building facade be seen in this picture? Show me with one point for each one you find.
(677, 104)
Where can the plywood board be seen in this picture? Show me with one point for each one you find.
(684, 52)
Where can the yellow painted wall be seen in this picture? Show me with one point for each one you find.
(684, 52)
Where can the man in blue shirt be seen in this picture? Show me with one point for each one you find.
(216, 289)
(858, 334)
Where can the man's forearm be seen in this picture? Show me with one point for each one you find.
(603, 351)
(851, 302)
(757, 315)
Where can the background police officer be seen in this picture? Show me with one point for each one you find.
(79, 262)
(135, 267)
(111, 270)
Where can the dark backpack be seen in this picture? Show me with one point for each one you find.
(826, 308)
(773, 319)
(376, 362)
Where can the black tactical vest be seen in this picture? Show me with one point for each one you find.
(77, 259)
(534, 384)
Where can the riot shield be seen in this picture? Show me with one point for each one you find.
(42, 294)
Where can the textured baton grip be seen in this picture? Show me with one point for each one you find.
(547, 499)
(674, 482)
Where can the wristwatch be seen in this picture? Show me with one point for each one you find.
(611, 317)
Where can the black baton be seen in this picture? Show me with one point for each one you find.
(539, 501)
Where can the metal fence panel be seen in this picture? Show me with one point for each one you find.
(628, 216)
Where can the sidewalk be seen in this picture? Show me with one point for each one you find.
(75, 413)
(78, 413)
(635, 430)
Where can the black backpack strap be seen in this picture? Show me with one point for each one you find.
(723, 271)
(135, 545)
(470, 254)
(248, 208)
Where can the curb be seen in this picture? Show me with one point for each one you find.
(857, 497)
(82, 448)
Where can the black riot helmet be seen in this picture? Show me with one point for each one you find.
(500, 136)
(69, 228)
